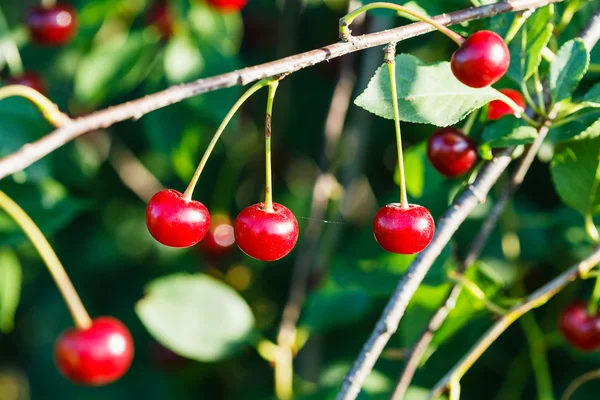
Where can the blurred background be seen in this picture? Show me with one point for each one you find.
(89, 198)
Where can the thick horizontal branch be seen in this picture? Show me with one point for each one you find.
(32, 152)
(536, 299)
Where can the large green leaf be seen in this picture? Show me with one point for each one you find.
(428, 94)
(10, 288)
(329, 308)
(526, 47)
(196, 316)
(508, 131)
(567, 69)
(576, 174)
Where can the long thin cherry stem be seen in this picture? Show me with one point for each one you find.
(593, 304)
(347, 20)
(268, 181)
(253, 89)
(9, 48)
(65, 286)
(48, 109)
(390, 61)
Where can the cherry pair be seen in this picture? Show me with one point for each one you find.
(265, 235)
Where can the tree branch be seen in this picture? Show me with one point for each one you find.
(536, 299)
(135, 109)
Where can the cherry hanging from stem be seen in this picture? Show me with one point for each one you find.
(268, 181)
(390, 61)
(348, 18)
(65, 286)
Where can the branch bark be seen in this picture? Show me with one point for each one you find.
(135, 109)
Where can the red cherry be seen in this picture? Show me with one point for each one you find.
(220, 237)
(403, 230)
(29, 78)
(95, 356)
(579, 328)
(264, 235)
(160, 16)
(482, 60)
(228, 5)
(498, 108)
(451, 152)
(175, 221)
(52, 26)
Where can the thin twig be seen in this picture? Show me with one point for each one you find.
(536, 299)
(588, 376)
(135, 109)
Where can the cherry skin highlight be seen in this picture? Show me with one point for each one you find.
(95, 356)
(220, 237)
(159, 15)
(228, 5)
(498, 108)
(579, 328)
(175, 221)
(451, 152)
(30, 79)
(52, 26)
(481, 60)
(403, 230)
(264, 235)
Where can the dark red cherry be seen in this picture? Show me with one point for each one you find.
(228, 5)
(29, 78)
(451, 152)
(482, 60)
(95, 356)
(266, 235)
(53, 26)
(220, 237)
(579, 328)
(498, 108)
(403, 230)
(175, 221)
(159, 15)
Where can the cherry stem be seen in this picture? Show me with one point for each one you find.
(345, 21)
(9, 48)
(48, 4)
(390, 61)
(470, 122)
(268, 207)
(65, 286)
(48, 109)
(593, 304)
(519, 111)
(187, 195)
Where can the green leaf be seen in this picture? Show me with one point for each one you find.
(428, 94)
(114, 67)
(575, 171)
(421, 178)
(526, 47)
(508, 131)
(591, 132)
(10, 288)
(567, 69)
(329, 308)
(196, 316)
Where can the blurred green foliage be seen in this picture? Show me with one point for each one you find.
(96, 223)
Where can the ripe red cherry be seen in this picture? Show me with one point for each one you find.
(220, 237)
(498, 108)
(29, 78)
(52, 26)
(264, 235)
(451, 152)
(403, 230)
(95, 356)
(482, 60)
(579, 328)
(159, 15)
(228, 5)
(175, 221)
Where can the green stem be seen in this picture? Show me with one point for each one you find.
(593, 304)
(391, 65)
(65, 286)
(519, 112)
(9, 48)
(516, 25)
(539, 359)
(348, 18)
(268, 181)
(588, 376)
(48, 109)
(476, 292)
(257, 86)
(590, 228)
(595, 68)
(48, 3)
(470, 122)
(539, 90)
(568, 13)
